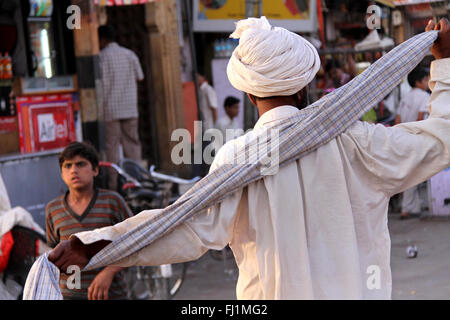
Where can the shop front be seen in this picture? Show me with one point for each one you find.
(51, 93)
(39, 101)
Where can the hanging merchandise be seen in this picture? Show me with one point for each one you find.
(223, 48)
(1, 66)
(7, 67)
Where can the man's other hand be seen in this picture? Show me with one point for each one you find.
(74, 252)
(69, 252)
(441, 47)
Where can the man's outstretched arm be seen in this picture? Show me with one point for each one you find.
(405, 155)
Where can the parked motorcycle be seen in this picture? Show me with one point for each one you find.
(145, 190)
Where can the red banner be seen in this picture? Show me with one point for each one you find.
(8, 124)
(121, 2)
(45, 122)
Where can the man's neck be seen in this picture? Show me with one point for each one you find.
(422, 89)
(266, 105)
(108, 44)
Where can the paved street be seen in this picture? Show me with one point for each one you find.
(428, 275)
(209, 279)
(425, 277)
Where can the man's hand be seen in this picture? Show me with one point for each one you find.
(74, 252)
(99, 288)
(441, 47)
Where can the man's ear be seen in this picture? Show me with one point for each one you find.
(252, 98)
(301, 94)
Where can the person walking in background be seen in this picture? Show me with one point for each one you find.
(208, 105)
(229, 121)
(120, 71)
(413, 107)
(208, 102)
(84, 208)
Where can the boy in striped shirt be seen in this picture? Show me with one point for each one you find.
(83, 208)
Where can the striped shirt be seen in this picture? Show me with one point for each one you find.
(105, 209)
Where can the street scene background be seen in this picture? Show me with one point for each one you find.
(144, 83)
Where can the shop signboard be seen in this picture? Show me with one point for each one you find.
(45, 122)
(221, 15)
(41, 8)
(410, 2)
(121, 2)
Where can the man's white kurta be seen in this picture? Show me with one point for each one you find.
(317, 228)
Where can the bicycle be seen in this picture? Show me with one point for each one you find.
(144, 190)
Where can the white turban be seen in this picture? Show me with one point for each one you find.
(270, 61)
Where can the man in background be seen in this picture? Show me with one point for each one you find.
(208, 108)
(120, 71)
(229, 122)
(413, 107)
(208, 102)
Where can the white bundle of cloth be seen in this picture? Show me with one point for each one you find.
(10, 217)
(263, 69)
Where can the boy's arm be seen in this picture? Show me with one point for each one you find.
(99, 287)
(420, 116)
(50, 234)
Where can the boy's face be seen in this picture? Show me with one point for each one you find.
(78, 173)
(423, 84)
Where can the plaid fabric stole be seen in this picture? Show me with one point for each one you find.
(312, 127)
(42, 281)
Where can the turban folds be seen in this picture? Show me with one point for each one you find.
(270, 61)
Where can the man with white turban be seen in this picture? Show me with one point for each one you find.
(316, 228)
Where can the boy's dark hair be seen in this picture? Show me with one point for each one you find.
(229, 101)
(416, 75)
(107, 32)
(81, 149)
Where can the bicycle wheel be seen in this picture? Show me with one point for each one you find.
(166, 281)
(137, 280)
(152, 283)
(178, 275)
